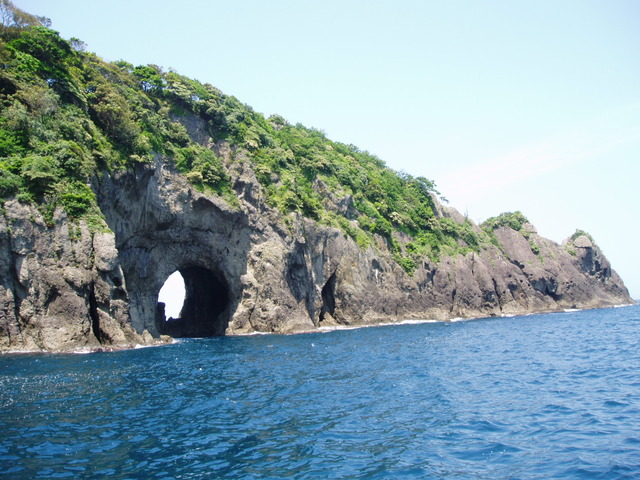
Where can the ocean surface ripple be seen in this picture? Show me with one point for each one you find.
(535, 397)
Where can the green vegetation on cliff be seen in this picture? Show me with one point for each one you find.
(66, 116)
(513, 220)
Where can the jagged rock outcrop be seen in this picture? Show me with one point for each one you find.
(62, 286)
(248, 269)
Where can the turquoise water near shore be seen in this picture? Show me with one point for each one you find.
(541, 396)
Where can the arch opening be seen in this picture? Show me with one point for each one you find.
(205, 311)
(172, 295)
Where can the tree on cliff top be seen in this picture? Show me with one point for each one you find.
(13, 20)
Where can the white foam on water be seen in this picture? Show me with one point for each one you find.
(418, 321)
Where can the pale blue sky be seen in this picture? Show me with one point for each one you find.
(507, 105)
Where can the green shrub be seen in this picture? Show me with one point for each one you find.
(534, 247)
(9, 183)
(40, 174)
(77, 199)
(580, 233)
(513, 220)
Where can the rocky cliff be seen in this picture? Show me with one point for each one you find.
(249, 268)
(114, 176)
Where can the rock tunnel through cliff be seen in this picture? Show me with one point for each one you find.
(205, 311)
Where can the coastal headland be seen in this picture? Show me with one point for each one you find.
(114, 176)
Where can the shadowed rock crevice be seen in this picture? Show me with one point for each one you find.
(299, 278)
(206, 309)
(297, 273)
(328, 298)
(93, 314)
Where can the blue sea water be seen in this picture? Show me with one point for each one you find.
(535, 397)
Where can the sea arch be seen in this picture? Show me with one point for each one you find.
(207, 307)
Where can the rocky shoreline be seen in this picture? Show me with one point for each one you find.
(166, 340)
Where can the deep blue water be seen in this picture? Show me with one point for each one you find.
(537, 397)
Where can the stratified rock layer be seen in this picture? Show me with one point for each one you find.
(248, 269)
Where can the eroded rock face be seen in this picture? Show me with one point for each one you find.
(246, 270)
(62, 288)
